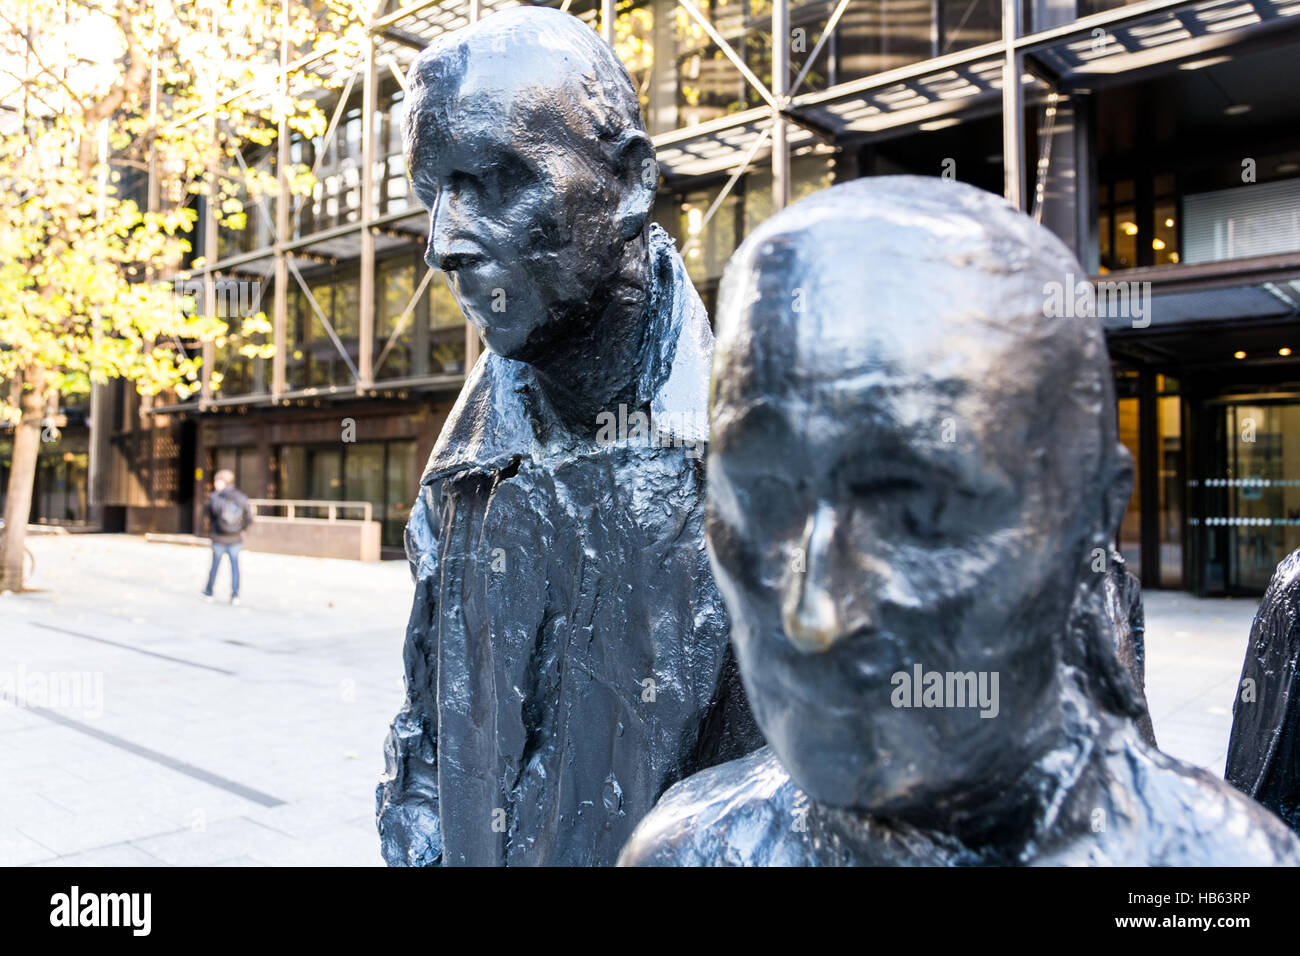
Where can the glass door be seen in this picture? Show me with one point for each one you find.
(1251, 496)
(1130, 532)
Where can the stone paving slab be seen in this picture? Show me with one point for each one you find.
(1195, 649)
(178, 731)
(181, 732)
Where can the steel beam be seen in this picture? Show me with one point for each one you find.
(780, 77)
(831, 24)
(330, 131)
(731, 54)
(1078, 29)
(739, 171)
(1013, 107)
(369, 110)
(209, 283)
(283, 200)
(324, 320)
(400, 325)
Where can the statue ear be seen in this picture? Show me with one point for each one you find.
(639, 173)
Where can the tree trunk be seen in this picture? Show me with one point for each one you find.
(22, 478)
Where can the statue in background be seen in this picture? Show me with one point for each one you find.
(567, 655)
(1123, 599)
(915, 477)
(1264, 749)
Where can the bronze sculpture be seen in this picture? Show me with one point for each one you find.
(1123, 600)
(913, 473)
(566, 657)
(1264, 748)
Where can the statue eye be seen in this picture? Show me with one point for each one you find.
(772, 495)
(923, 515)
(461, 181)
(884, 487)
(904, 503)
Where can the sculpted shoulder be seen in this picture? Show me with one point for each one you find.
(1200, 820)
(741, 813)
(1159, 811)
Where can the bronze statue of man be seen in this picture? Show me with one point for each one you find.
(915, 476)
(1264, 747)
(567, 656)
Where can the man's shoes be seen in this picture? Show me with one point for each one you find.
(234, 600)
(207, 596)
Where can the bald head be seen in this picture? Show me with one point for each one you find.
(523, 136)
(902, 284)
(543, 75)
(911, 466)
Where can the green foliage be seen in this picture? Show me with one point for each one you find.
(85, 272)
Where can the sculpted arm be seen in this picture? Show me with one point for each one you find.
(407, 798)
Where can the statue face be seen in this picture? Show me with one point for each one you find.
(883, 493)
(522, 209)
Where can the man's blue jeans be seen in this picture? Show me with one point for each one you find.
(232, 552)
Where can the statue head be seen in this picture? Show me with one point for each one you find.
(523, 137)
(912, 472)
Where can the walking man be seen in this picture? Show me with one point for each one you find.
(228, 514)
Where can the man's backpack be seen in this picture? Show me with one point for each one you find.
(228, 514)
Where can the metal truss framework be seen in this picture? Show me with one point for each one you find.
(993, 76)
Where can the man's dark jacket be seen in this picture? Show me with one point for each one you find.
(567, 655)
(213, 508)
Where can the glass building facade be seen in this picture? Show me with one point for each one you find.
(1159, 139)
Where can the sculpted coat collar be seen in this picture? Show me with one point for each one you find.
(502, 413)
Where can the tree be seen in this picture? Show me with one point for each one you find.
(99, 98)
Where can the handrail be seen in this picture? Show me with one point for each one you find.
(291, 505)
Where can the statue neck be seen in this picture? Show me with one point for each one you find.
(601, 360)
(1011, 812)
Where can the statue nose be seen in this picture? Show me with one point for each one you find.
(811, 615)
(451, 245)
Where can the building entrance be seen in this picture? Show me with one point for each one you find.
(1249, 492)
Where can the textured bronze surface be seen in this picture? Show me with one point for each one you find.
(1264, 749)
(567, 656)
(915, 471)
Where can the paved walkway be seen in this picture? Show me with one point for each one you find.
(165, 730)
(184, 732)
(1195, 649)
